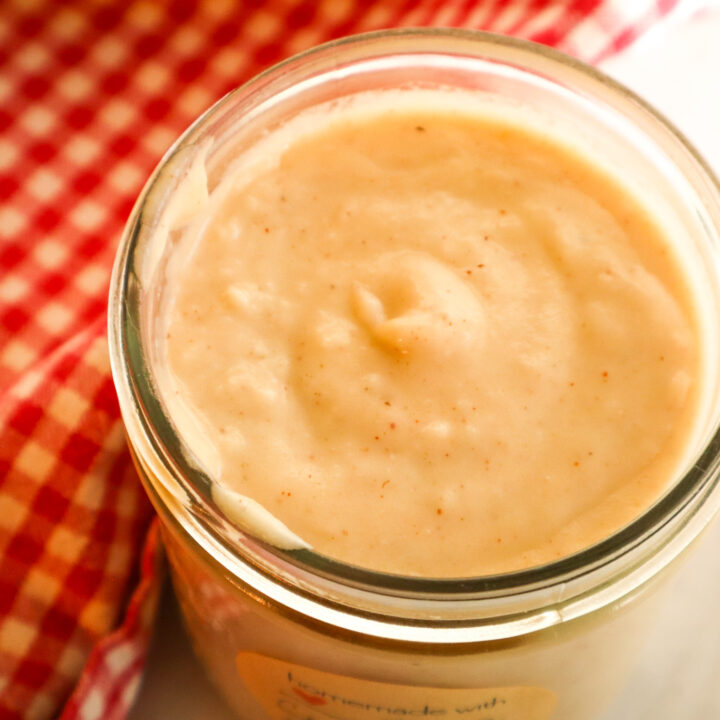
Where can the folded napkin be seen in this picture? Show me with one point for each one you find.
(91, 94)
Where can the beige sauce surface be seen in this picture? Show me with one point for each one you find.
(434, 343)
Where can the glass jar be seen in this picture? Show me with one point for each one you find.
(294, 635)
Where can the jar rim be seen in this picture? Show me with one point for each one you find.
(139, 398)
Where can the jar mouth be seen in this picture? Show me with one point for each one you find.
(146, 415)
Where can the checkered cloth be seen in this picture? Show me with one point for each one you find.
(91, 94)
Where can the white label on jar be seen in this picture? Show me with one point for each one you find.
(293, 692)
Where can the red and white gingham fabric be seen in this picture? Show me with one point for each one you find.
(91, 94)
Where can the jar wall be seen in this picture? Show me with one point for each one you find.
(582, 663)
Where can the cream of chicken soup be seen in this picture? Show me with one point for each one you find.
(426, 339)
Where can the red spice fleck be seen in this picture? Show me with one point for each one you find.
(469, 272)
(267, 230)
(439, 511)
(392, 426)
(387, 403)
(605, 374)
(576, 464)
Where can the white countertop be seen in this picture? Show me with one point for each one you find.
(678, 677)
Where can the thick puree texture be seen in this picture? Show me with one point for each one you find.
(432, 342)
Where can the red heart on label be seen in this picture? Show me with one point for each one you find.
(312, 699)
